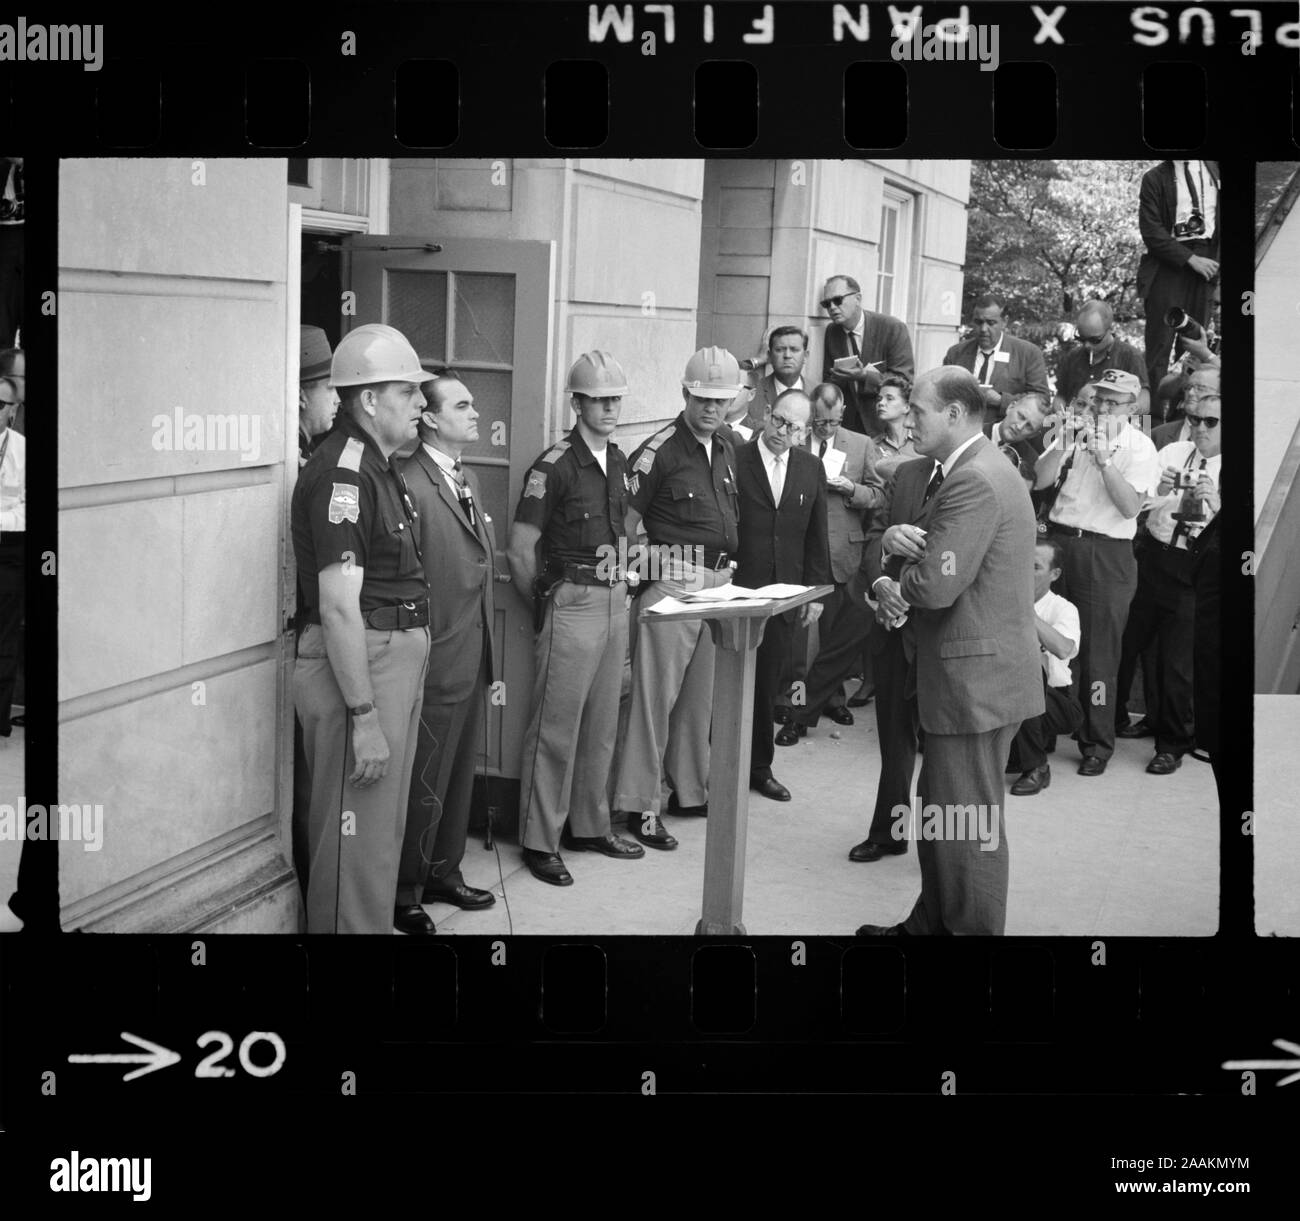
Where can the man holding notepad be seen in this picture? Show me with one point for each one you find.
(861, 348)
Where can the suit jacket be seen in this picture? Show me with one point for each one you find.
(1022, 371)
(1166, 434)
(846, 515)
(459, 562)
(769, 392)
(787, 543)
(972, 599)
(1027, 451)
(1157, 214)
(902, 503)
(884, 339)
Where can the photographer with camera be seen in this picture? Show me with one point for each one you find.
(1164, 609)
(1178, 219)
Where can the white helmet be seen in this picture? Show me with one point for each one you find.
(375, 353)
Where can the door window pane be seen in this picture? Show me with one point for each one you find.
(491, 391)
(494, 490)
(485, 319)
(417, 306)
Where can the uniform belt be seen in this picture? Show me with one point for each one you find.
(592, 574)
(1075, 532)
(398, 617)
(716, 560)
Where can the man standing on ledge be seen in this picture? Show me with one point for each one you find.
(880, 344)
(968, 584)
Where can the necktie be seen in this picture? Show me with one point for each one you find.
(821, 453)
(936, 481)
(778, 478)
(1191, 186)
(984, 368)
(853, 339)
(463, 494)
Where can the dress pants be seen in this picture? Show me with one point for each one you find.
(774, 646)
(1099, 575)
(963, 887)
(442, 790)
(354, 835)
(844, 626)
(671, 704)
(1162, 620)
(896, 726)
(1061, 716)
(1179, 286)
(569, 744)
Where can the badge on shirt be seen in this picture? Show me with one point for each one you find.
(345, 503)
(536, 485)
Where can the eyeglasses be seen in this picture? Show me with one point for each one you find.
(829, 422)
(1210, 421)
(1196, 394)
(837, 301)
(1094, 339)
(783, 425)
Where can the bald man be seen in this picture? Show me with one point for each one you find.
(1098, 349)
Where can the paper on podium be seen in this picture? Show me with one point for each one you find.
(739, 593)
(666, 606)
(833, 460)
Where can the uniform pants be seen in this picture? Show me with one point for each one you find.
(671, 703)
(354, 835)
(1162, 620)
(442, 790)
(844, 625)
(569, 745)
(896, 725)
(1061, 716)
(963, 887)
(774, 647)
(1099, 576)
(1179, 286)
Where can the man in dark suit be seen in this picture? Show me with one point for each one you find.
(880, 344)
(851, 493)
(968, 583)
(456, 548)
(782, 499)
(787, 353)
(1178, 206)
(1004, 366)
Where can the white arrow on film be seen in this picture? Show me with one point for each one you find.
(155, 1057)
(1281, 1045)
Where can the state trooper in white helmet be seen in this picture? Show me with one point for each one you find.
(358, 682)
(683, 486)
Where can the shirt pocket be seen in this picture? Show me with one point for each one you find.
(399, 539)
(968, 648)
(690, 504)
(584, 524)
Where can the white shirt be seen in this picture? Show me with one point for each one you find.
(13, 482)
(956, 453)
(446, 464)
(1205, 188)
(779, 387)
(1061, 614)
(1084, 502)
(599, 455)
(1161, 524)
(993, 360)
(775, 465)
(742, 430)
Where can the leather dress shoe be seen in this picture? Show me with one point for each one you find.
(862, 697)
(547, 867)
(867, 851)
(1136, 729)
(789, 735)
(881, 930)
(650, 831)
(413, 919)
(606, 845)
(1164, 764)
(770, 787)
(840, 715)
(781, 714)
(459, 895)
(1092, 765)
(675, 807)
(1033, 781)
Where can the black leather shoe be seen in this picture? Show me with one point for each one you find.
(770, 788)
(459, 895)
(414, 920)
(674, 807)
(1092, 765)
(881, 930)
(781, 714)
(867, 851)
(1164, 764)
(789, 735)
(1136, 729)
(840, 715)
(547, 867)
(1032, 782)
(862, 698)
(650, 831)
(606, 845)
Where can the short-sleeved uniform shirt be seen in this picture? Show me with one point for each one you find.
(684, 498)
(578, 507)
(350, 505)
(1073, 371)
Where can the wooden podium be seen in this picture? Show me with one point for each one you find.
(737, 632)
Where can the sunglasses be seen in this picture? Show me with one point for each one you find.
(837, 301)
(1210, 421)
(1094, 339)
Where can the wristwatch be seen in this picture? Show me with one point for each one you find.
(362, 709)
(1101, 466)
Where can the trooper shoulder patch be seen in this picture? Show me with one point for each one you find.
(647, 457)
(350, 458)
(555, 451)
(345, 503)
(536, 485)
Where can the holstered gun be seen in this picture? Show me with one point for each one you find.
(543, 586)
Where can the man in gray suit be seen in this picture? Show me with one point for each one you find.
(967, 583)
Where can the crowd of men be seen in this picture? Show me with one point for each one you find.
(977, 533)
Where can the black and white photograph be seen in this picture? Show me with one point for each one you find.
(589, 546)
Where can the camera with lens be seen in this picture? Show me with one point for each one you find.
(1189, 507)
(1193, 226)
